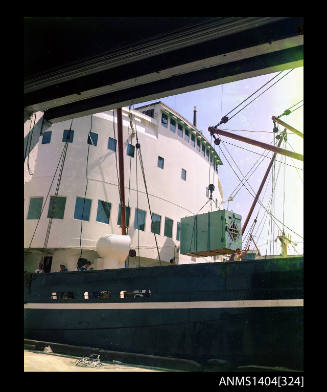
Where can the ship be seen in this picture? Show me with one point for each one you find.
(146, 294)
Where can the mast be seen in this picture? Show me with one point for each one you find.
(121, 172)
(260, 188)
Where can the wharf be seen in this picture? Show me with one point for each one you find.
(50, 362)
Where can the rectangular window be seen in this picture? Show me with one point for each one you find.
(183, 175)
(208, 155)
(211, 158)
(130, 150)
(207, 191)
(172, 125)
(168, 227)
(128, 212)
(203, 150)
(187, 135)
(68, 136)
(103, 213)
(155, 224)
(46, 137)
(164, 120)
(193, 140)
(139, 221)
(112, 143)
(161, 162)
(34, 210)
(92, 139)
(149, 112)
(82, 208)
(178, 232)
(198, 143)
(57, 207)
(180, 130)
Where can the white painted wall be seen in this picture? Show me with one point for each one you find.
(170, 196)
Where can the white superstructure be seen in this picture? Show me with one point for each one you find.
(177, 164)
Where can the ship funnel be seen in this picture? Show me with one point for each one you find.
(114, 249)
(194, 116)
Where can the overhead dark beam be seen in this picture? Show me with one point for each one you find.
(237, 70)
(232, 40)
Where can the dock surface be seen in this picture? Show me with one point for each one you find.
(44, 362)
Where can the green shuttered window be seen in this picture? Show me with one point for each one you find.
(155, 224)
(57, 207)
(168, 227)
(35, 207)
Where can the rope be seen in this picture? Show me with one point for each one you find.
(45, 245)
(261, 94)
(246, 149)
(287, 111)
(28, 145)
(259, 201)
(138, 147)
(61, 155)
(221, 121)
(86, 185)
(113, 122)
(293, 158)
(225, 118)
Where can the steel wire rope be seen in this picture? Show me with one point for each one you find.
(269, 203)
(257, 97)
(239, 170)
(259, 201)
(248, 175)
(57, 191)
(146, 188)
(254, 152)
(118, 177)
(86, 185)
(137, 198)
(287, 111)
(61, 155)
(137, 207)
(29, 143)
(130, 159)
(221, 122)
(292, 158)
(296, 109)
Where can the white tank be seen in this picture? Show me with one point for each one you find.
(113, 249)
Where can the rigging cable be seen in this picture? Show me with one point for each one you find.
(259, 201)
(44, 204)
(287, 111)
(113, 123)
(86, 185)
(138, 147)
(45, 245)
(28, 145)
(225, 119)
(293, 159)
(254, 152)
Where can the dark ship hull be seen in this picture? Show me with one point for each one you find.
(247, 313)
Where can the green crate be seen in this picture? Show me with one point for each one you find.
(212, 233)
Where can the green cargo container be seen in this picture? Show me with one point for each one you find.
(212, 233)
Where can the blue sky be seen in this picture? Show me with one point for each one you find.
(214, 102)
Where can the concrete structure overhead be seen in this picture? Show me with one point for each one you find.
(177, 161)
(87, 65)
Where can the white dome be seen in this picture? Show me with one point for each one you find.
(114, 246)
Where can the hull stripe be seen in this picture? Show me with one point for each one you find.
(170, 305)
